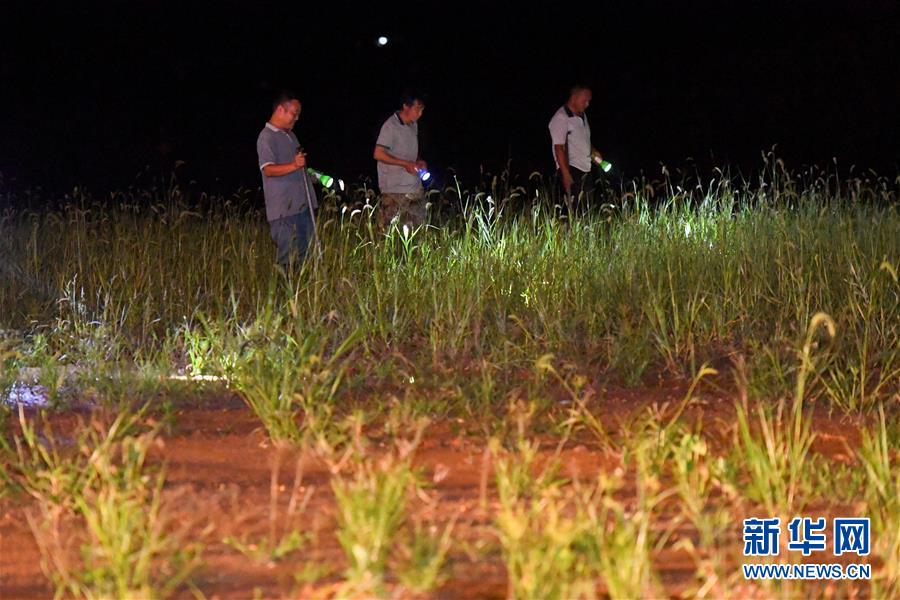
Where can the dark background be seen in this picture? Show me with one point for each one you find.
(94, 94)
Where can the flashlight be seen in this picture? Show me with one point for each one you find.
(604, 164)
(326, 180)
(424, 175)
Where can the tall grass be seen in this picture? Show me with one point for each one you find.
(491, 307)
(283, 372)
(559, 540)
(883, 505)
(775, 452)
(274, 546)
(666, 276)
(101, 499)
(130, 550)
(371, 508)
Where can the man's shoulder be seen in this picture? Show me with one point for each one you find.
(560, 113)
(559, 117)
(265, 133)
(390, 122)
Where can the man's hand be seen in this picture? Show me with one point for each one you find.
(421, 164)
(300, 160)
(382, 155)
(596, 156)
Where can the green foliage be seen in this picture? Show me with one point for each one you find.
(883, 505)
(282, 375)
(371, 508)
(101, 497)
(775, 452)
(425, 555)
(665, 277)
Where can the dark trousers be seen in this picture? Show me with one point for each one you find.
(582, 187)
(292, 236)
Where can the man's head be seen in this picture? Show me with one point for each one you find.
(412, 106)
(285, 111)
(579, 98)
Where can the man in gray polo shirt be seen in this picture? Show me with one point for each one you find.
(397, 154)
(570, 135)
(286, 187)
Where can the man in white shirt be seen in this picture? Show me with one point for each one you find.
(570, 134)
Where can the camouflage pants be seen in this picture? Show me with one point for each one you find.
(408, 209)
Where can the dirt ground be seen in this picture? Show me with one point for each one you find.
(219, 468)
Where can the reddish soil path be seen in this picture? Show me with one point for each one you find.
(219, 467)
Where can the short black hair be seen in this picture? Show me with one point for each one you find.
(410, 96)
(283, 97)
(578, 87)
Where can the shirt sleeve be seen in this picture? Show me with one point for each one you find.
(385, 137)
(559, 129)
(265, 151)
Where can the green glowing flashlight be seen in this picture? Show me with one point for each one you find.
(326, 180)
(604, 164)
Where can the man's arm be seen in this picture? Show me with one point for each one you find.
(273, 170)
(559, 131)
(266, 153)
(382, 155)
(562, 159)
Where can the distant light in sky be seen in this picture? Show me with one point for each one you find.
(382, 41)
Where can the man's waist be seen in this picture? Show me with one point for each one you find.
(410, 195)
(395, 170)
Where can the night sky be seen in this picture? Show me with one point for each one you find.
(93, 94)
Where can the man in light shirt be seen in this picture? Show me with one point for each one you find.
(570, 135)
(286, 187)
(397, 155)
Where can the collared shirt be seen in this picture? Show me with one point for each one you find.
(574, 132)
(285, 195)
(401, 140)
